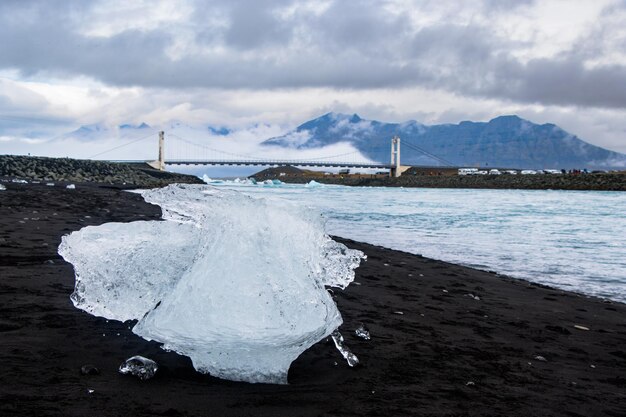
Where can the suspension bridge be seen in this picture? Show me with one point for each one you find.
(182, 151)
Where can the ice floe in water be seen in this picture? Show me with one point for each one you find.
(235, 283)
(313, 184)
(272, 183)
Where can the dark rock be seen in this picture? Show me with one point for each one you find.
(89, 369)
(74, 170)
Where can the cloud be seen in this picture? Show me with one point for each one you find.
(281, 62)
(15, 98)
(360, 44)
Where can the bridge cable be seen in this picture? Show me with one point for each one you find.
(123, 145)
(428, 154)
(256, 159)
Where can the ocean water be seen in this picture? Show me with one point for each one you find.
(575, 240)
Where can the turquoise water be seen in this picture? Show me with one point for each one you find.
(574, 240)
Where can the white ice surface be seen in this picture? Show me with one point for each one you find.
(235, 283)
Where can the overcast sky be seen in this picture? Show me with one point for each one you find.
(278, 63)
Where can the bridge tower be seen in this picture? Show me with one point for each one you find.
(395, 170)
(160, 163)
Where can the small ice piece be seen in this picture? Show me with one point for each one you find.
(142, 368)
(272, 183)
(71, 187)
(2, 187)
(18, 181)
(362, 332)
(343, 349)
(313, 184)
(50, 184)
(400, 313)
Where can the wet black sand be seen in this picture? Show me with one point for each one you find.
(448, 354)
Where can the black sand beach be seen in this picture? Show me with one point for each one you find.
(469, 343)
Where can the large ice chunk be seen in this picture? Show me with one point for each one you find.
(124, 269)
(235, 283)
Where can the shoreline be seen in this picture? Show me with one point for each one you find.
(424, 178)
(467, 342)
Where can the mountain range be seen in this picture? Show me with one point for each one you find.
(98, 131)
(506, 141)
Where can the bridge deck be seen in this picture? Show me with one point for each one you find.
(268, 163)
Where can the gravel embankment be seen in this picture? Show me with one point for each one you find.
(598, 182)
(77, 170)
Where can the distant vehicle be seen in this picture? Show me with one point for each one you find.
(511, 172)
(529, 172)
(282, 174)
(327, 173)
(482, 173)
(344, 171)
(382, 173)
(552, 171)
(495, 172)
(468, 171)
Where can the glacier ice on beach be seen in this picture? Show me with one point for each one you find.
(142, 368)
(235, 283)
(345, 351)
(362, 332)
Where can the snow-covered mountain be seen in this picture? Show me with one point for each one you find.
(506, 141)
(98, 131)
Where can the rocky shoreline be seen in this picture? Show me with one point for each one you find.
(77, 170)
(418, 178)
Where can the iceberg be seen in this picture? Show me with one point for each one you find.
(313, 184)
(235, 283)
